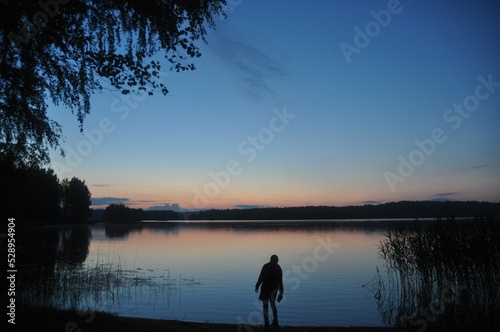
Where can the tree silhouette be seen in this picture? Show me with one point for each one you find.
(35, 195)
(119, 213)
(65, 51)
(75, 200)
(30, 194)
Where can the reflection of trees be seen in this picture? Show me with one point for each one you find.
(117, 232)
(44, 251)
(448, 273)
(122, 231)
(365, 226)
(44, 247)
(73, 246)
(54, 274)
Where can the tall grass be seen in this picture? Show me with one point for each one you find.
(100, 284)
(447, 273)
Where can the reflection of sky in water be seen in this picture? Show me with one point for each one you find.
(215, 271)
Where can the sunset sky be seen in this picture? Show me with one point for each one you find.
(307, 103)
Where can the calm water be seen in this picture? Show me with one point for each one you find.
(207, 271)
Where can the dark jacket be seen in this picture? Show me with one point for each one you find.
(271, 278)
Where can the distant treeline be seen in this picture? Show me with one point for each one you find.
(403, 209)
(119, 213)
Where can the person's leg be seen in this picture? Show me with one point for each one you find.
(265, 311)
(275, 313)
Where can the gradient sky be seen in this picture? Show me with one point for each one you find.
(308, 103)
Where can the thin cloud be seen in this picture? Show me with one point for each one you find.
(445, 194)
(252, 67)
(100, 185)
(371, 202)
(245, 206)
(443, 197)
(460, 169)
(473, 168)
(98, 201)
(167, 206)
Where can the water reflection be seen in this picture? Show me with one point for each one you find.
(122, 231)
(48, 246)
(59, 269)
(43, 253)
(73, 245)
(205, 271)
(361, 225)
(364, 225)
(119, 231)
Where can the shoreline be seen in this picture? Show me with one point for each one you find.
(35, 318)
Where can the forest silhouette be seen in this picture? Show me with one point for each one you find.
(119, 213)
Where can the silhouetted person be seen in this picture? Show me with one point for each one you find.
(271, 278)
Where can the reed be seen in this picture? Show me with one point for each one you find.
(98, 285)
(447, 273)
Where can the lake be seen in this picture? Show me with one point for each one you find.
(206, 271)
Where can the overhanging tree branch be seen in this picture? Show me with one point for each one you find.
(64, 51)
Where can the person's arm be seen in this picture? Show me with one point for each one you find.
(260, 280)
(280, 285)
(281, 289)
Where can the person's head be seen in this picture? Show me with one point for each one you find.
(274, 259)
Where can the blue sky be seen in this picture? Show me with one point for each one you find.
(308, 103)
